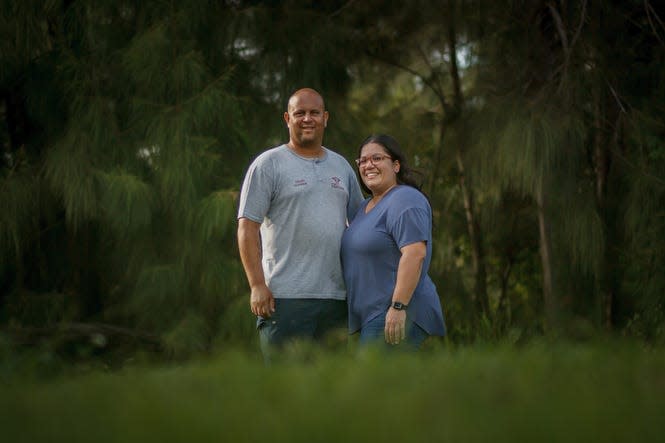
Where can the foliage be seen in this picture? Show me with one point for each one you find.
(538, 392)
(125, 129)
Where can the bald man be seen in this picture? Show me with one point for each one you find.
(294, 205)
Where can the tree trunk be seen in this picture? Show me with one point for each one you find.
(475, 234)
(607, 279)
(479, 295)
(551, 307)
(503, 306)
(601, 167)
(436, 167)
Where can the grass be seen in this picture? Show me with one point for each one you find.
(611, 392)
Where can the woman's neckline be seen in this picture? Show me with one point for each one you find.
(369, 209)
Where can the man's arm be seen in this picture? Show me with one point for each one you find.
(261, 301)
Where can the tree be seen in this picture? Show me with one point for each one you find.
(128, 128)
(552, 74)
(123, 164)
(428, 51)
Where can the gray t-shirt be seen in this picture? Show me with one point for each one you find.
(303, 206)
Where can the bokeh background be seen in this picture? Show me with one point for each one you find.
(126, 127)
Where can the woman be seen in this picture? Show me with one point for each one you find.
(386, 252)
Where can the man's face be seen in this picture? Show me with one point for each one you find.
(306, 119)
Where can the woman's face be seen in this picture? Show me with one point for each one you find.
(377, 170)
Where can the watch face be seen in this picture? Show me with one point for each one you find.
(399, 306)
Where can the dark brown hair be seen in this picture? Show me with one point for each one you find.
(406, 175)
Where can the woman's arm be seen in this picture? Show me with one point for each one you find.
(408, 274)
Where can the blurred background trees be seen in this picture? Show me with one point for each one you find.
(126, 128)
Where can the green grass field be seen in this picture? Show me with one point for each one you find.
(611, 392)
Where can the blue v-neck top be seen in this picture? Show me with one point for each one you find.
(371, 253)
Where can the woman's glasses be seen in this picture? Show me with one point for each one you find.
(374, 159)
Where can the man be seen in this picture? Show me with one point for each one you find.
(294, 205)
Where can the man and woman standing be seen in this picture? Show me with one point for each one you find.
(295, 204)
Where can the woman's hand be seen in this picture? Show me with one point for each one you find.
(395, 329)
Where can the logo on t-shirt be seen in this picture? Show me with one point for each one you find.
(300, 182)
(336, 182)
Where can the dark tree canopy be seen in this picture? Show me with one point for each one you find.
(126, 128)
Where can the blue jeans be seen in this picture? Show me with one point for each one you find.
(305, 318)
(373, 334)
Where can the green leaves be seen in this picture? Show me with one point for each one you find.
(214, 216)
(70, 172)
(127, 202)
(132, 123)
(19, 206)
(162, 290)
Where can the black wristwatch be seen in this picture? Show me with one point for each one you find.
(399, 306)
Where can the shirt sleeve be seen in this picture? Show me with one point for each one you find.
(355, 195)
(256, 192)
(411, 226)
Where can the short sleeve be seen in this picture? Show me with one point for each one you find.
(411, 226)
(355, 196)
(256, 192)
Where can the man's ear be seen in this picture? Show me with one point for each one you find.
(286, 118)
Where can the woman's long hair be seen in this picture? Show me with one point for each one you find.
(406, 175)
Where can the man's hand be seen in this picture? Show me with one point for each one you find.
(261, 301)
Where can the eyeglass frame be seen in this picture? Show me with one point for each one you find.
(363, 160)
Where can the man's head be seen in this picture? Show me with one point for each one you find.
(306, 118)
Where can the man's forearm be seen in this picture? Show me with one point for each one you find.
(249, 244)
